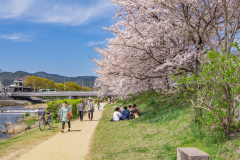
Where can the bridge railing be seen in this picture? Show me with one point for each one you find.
(60, 92)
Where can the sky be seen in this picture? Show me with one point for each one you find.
(54, 36)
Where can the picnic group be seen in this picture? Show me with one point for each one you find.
(65, 112)
(126, 113)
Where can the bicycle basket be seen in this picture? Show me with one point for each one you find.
(41, 113)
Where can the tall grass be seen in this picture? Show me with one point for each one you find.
(17, 128)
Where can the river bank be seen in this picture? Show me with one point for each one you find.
(14, 119)
(13, 102)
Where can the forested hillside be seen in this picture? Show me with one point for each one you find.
(8, 78)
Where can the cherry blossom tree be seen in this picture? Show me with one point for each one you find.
(154, 38)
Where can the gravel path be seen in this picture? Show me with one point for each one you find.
(67, 145)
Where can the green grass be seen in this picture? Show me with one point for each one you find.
(165, 124)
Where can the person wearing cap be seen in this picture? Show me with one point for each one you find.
(90, 108)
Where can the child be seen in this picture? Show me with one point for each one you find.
(98, 105)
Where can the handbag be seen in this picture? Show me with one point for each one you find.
(69, 115)
(92, 109)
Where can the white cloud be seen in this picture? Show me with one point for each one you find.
(16, 37)
(72, 13)
(95, 43)
(13, 8)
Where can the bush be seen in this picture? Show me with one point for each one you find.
(97, 100)
(54, 106)
(27, 114)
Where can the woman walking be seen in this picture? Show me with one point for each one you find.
(81, 109)
(64, 112)
(91, 108)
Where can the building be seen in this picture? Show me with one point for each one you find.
(18, 85)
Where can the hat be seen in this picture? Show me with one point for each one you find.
(89, 98)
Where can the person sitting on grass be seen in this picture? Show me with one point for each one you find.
(135, 111)
(117, 115)
(129, 108)
(137, 107)
(131, 113)
(121, 109)
(125, 113)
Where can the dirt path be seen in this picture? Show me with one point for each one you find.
(67, 145)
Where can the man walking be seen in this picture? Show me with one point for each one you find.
(91, 108)
(81, 109)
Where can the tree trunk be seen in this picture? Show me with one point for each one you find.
(229, 118)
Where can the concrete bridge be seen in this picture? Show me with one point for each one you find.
(57, 94)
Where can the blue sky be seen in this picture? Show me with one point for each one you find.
(54, 36)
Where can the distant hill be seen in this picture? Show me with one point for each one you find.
(8, 78)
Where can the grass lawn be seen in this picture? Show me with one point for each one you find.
(165, 124)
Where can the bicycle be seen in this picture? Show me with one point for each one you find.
(43, 121)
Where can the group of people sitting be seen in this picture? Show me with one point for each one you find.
(126, 113)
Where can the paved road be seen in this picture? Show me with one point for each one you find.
(67, 145)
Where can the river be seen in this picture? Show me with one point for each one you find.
(12, 114)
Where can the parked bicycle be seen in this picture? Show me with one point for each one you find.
(43, 121)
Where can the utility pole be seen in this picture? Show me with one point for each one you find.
(64, 83)
(82, 85)
(1, 81)
(34, 84)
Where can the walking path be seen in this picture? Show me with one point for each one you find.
(67, 145)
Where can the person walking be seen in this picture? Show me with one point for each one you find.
(91, 108)
(98, 105)
(81, 110)
(64, 112)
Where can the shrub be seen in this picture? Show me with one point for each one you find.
(27, 114)
(97, 100)
(216, 87)
(54, 106)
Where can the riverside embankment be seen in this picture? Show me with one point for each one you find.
(13, 102)
(7, 101)
(13, 117)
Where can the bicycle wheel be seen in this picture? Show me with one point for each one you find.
(41, 124)
(50, 121)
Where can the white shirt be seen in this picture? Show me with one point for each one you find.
(116, 116)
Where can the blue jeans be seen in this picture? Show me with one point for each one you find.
(90, 112)
(81, 115)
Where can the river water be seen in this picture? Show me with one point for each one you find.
(12, 114)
